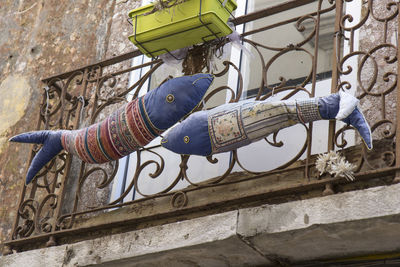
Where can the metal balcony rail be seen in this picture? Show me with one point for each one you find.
(61, 193)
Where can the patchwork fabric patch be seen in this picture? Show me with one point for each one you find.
(226, 129)
(263, 118)
(307, 110)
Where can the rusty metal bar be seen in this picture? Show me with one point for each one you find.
(239, 20)
(361, 176)
(300, 187)
(271, 11)
(397, 149)
(281, 23)
(69, 157)
(335, 74)
(103, 63)
(314, 81)
(24, 187)
(335, 77)
(129, 69)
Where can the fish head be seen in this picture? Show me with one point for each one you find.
(176, 98)
(189, 137)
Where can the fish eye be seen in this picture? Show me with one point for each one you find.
(186, 139)
(170, 98)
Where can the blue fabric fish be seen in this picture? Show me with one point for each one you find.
(127, 129)
(234, 125)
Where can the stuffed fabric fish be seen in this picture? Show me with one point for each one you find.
(234, 125)
(129, 128)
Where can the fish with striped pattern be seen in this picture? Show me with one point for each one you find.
(132, 126)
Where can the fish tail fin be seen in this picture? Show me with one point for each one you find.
(51, 141)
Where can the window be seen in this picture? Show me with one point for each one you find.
(268, 67)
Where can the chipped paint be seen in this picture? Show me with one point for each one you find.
(15, 93)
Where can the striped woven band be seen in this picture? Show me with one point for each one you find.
(120, 134)
(307, 110)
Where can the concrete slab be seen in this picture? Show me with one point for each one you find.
(357, 223)
(342, 225)
(205, 241)
(229, 252)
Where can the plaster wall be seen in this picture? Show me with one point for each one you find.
(40, 38)
(371, 34)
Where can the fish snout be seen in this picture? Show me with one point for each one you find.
(190, 137)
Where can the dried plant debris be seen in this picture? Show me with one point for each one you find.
(336, 165)
(160, 5)
(203, 56)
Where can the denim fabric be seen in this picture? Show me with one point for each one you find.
(175, 98)
(190, 136)
(51, 141)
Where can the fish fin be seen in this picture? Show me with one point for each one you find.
(51, 141)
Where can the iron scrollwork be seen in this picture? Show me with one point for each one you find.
(86, 95)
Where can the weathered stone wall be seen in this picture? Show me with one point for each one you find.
(380, 42)
(40, 38)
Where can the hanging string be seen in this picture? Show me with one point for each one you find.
(160, 5)
(273, 91)
(338, 34)
(46, 112)
(26, 10)
(343, 138)
(82, 100)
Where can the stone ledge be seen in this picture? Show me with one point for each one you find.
(350, 224)
(207, 241)
(350, 206)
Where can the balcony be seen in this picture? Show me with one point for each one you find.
(294, 49)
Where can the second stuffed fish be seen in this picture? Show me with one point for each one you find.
(234, 125)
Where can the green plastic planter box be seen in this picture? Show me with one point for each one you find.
(191, 22)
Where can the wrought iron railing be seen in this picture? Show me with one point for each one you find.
(80, 97)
